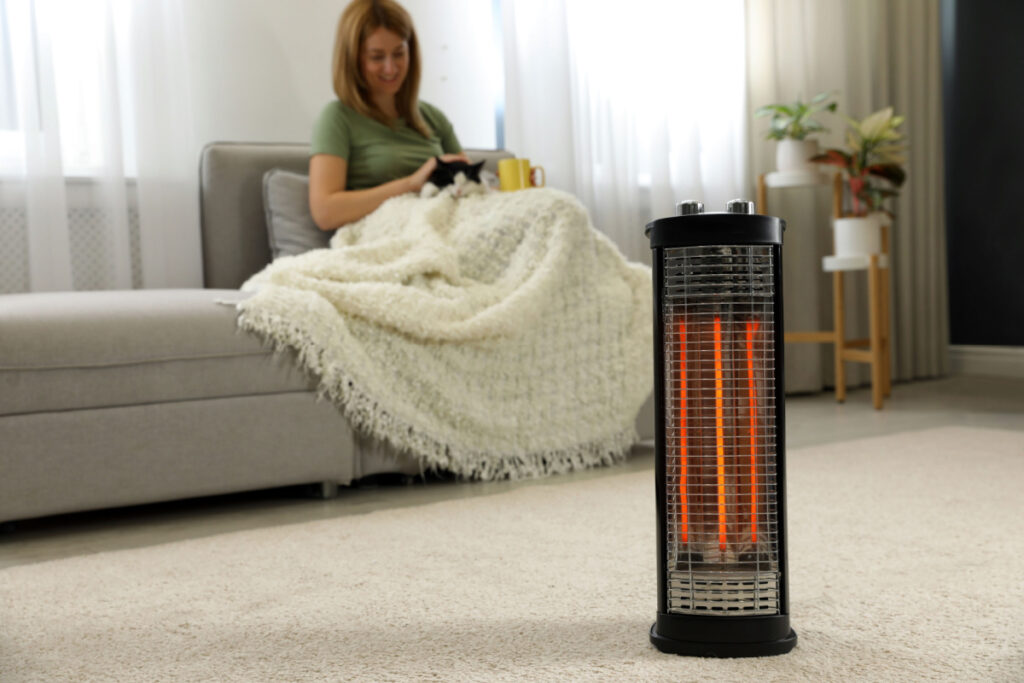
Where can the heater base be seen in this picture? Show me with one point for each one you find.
(722, 650)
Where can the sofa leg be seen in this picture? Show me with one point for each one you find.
(328, 490)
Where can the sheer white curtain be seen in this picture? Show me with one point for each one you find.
(97, 192)
(630, 108)
(874, 54)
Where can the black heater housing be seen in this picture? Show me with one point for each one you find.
(720, 433)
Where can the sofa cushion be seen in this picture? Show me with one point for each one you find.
(71, 350)
(290, 225)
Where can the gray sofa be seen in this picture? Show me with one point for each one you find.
(120, 398)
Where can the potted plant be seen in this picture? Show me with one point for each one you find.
(792, 125)
(874, 172)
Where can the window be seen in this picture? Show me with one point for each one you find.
(8, 115)
(62, 78)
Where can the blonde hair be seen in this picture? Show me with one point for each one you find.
(357, 22)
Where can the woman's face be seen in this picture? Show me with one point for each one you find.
(384, 61)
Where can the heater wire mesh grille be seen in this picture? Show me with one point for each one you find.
(720, 430)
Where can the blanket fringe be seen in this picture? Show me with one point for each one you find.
(370, 417)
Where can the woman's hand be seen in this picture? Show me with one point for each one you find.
(418, 179)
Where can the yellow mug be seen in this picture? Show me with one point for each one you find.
(517, 174)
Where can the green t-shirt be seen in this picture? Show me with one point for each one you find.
(375, 152)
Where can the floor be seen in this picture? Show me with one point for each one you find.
(989, 402)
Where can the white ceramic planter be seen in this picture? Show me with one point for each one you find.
(793, 155)
(858, 236)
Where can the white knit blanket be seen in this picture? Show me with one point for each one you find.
(497, 335)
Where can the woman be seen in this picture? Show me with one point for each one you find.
(377, 140)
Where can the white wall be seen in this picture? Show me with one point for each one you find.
(260, 70)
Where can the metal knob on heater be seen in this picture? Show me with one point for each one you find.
(689, 207)
(740, 206)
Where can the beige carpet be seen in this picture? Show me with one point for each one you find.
(907, 560)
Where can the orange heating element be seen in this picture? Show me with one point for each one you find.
(720, 434)
(752, 327)
(741, 458)
(683, 512)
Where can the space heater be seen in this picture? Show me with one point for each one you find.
(719, 459)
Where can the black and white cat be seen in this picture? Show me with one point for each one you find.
(456, 177)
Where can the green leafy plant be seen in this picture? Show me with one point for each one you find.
(875, 153)
(796, 121)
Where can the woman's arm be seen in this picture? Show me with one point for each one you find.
(333, 206)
